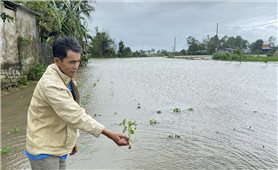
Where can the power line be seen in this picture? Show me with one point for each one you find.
(258, 18)
(260, 24)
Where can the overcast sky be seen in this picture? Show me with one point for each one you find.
(145, 25)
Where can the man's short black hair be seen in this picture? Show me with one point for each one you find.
(61, 46)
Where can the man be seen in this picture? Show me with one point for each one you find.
(54, 114)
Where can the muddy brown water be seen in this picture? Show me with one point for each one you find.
(233, 124)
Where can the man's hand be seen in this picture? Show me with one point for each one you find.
(119, 138)
(74, 150)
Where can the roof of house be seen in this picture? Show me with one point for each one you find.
(266, 47)
(13, 6)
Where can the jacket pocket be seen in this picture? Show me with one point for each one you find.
(71, 136)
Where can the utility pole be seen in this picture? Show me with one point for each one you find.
(174, 46)
(216, 48)
(217, 29)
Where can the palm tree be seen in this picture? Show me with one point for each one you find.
(63, 18)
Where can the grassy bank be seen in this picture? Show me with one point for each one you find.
(236, 57)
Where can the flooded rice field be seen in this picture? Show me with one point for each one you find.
(208, 114)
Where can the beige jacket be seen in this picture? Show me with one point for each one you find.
(54, 116)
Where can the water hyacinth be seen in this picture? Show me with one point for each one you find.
(158, 112)
(176, 110)
(172, 136)
(130, 127)
(153, 122)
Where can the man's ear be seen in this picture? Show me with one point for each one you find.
(56, 60)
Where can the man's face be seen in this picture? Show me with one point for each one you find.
(70, 64)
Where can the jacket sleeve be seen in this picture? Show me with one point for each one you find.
(70, 111)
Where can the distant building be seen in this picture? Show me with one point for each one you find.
(19, 40)
(247, 51)
(266, 48)
(229, 50)
(201, 52)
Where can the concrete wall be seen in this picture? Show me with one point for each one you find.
(19, 45)
(28, 32)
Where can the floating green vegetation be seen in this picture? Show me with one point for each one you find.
(95, 115)
(138, 106)
(158, 112)
(174, 136)
(94, 85)
(14, 130)
(115, 113)
(153, 122)
(130, 127)
(176, 110)
(190, 109)
(5, 150)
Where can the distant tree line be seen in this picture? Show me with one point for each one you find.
(213, 44)
(68, 18)
(103, 46)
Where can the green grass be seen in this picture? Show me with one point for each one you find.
(261, 59)
(234, 57)
(5, 150)
(14, 130)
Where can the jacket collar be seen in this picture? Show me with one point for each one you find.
(66, 79)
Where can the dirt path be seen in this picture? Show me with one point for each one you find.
(14, 108)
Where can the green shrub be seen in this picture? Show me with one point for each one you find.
(269, 54)
(219, 56)
(235, 57)
(23, 80)
(36, 72)
(225, 56)
(228, 56)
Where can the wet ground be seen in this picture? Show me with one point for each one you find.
(14, 106)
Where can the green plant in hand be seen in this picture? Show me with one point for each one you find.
(130, 127)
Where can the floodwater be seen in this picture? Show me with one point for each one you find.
(232, 124)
